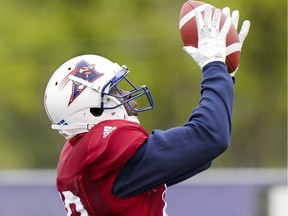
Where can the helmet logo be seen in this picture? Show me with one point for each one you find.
(84, 71)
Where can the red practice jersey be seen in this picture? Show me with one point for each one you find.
(89, 164)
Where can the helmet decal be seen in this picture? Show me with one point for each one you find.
(84, 71)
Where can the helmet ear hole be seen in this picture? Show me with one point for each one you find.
(96, 111)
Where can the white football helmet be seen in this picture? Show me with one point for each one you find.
(78, 95)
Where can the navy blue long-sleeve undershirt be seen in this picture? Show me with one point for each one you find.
(171, 156)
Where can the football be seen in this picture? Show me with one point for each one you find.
(189, 35)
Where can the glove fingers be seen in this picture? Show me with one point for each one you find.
(199, 22)
(226, 11)
(244, 31)
(216, 21)
(226, 27)
(235, 18)
(207, 19)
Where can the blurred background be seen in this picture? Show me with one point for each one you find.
(38, 36)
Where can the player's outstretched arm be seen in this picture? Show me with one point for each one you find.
(173, 155)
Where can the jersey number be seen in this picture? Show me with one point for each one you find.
(70, 198)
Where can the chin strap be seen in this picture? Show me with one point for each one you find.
(68, 131)
(73, 126)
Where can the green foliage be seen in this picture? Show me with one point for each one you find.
(37, 36)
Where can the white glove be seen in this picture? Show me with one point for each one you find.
(211, 40)
(244, 29)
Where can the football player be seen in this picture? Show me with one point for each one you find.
(109, 164)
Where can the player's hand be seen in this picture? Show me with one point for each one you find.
(211, 39)
(244, 29)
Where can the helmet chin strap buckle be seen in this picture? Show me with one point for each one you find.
(90, 126)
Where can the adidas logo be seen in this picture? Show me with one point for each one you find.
(108, 130)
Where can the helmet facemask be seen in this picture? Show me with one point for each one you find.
(140, 94)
